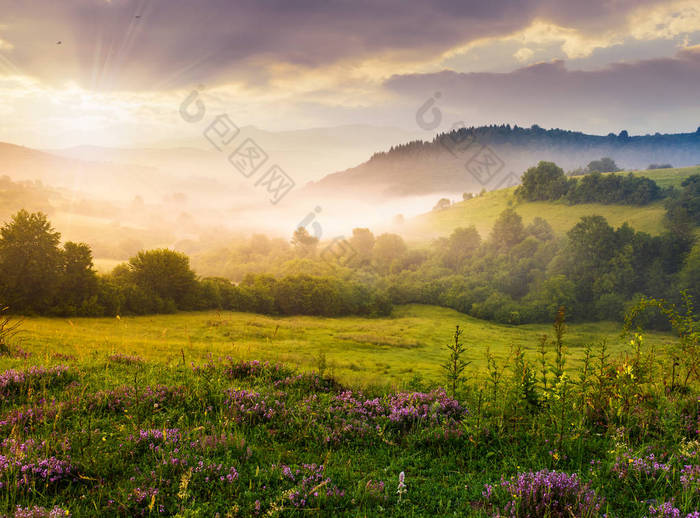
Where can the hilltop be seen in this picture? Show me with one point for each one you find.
(454, 162)
(483, 210)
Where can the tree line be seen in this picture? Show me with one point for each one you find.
(548, 182)
(518, 273)
(536, 136)
(38, 276)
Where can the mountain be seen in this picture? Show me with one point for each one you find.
(94, 178)
(306, 155)
(492, 157)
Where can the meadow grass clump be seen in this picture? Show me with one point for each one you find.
(125, 359)
(350, 416)
(13, 382)
(668, 510)
(307, 382)
(240, 370)
(126, 397)
(545, 494)
(40, 512)
(29, 466)
(27, 416)
(251, 407)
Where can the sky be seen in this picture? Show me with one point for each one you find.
(116, 72)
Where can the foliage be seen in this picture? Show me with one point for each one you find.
(8, 329)
(455, 365)
(30, 262)
(163, 273)
(546, 181)
(683, 320)
(604, 165)
(519, 274)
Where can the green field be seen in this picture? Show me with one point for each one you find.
(483, 211)
(669, 177)
(103, 419)
(359, 351)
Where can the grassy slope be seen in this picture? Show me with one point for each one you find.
(359, 351)
(483, 211)
(670, 177)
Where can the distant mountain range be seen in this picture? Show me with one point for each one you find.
(199, 185)
(490, 157)
(196, 168)
(305, 155)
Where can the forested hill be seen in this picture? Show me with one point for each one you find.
(457, 161)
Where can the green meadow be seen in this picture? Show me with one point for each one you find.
(358, 351)
(483, 211)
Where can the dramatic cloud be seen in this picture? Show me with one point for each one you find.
(115, 70)
(170, 43)
(657, 93)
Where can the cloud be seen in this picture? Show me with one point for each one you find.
(666, 21)
(523, 54)
(645, 95)
(281, 64)
(161, 44)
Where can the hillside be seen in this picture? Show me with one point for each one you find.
(482, 211)
(450, 163)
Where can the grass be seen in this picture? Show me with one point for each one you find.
(483, 211)
(116, 435)
(672, 177)
(359, 351)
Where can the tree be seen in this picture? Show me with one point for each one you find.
(462, 243)
(508, 229)
(540, 229)
(30, 262)
(690, 197)
(260, 244)
(546, 181)
(304, 243)
(690, 274)
(79, 279)
(592, 240)
(388, 249)
(591, 247)
(442, 204)
(362, 242)
(165, 273)
(604, 165)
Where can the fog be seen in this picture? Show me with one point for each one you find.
(193, 199)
